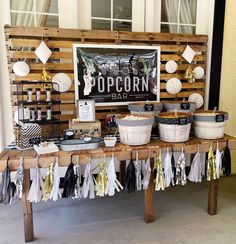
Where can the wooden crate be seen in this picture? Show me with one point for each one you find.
(21, 43)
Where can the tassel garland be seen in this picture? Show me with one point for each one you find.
(112, 182)
(226, 161)
(88, 186)
(195, 174)
(146, 173)
(48, 182)
(55, 192)
(211, 165)
(160, 180)
(218, 162)
(19, 180)
(137, 166)
(169, 176)
(69, 182)
(181, 178)
(77, 190)
(130, 177)
(101, 180)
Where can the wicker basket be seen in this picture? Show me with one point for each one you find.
(186, 107)
(135, 132)
(174, 127)
(209, 125)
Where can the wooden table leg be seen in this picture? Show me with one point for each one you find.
(149, 197)
(212, 197)
(27, 209)
(122, 172)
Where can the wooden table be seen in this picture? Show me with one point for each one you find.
(123, 153)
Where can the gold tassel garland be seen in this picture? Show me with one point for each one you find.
(211, 165)
(189, 74)
(160, 180)
(48, 182)
(101, 180)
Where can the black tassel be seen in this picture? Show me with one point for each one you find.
(69, 182)
(130, 178)
(226, 161)
(173, 166)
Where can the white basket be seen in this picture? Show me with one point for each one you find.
(135, 135)
(174, 133)
(209, 130)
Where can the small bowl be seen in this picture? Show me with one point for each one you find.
(110, 141)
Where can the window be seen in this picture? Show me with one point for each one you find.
(111, 14)
(34, 12)
(179, 16)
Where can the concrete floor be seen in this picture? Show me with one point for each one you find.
(180, 214)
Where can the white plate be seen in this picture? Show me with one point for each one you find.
(171, 66)
(173, 86)
(198, 72)
(21, 68)
(197, 98)
(62, 82)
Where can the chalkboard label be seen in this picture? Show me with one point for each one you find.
(220, 118)
(182, 121)
(185, 106)
(149, 107)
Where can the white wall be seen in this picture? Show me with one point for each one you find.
(6, 132)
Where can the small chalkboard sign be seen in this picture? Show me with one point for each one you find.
(220, 118)
(149, 107)
(182, 121)
(185, 106)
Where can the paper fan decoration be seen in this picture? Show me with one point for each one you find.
(188, 54)
(171, 66)
(197, 98)
(198, 72)
(21, 68)
(61, 82)
(43, 52)
(173, 86)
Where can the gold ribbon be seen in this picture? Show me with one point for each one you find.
(101, 180)
(45, 76)
(211, 165)
(160, 180)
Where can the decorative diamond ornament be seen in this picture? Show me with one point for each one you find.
(43, 52)
(188, 54)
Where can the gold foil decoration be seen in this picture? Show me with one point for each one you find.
(48, 182)
(101, 180)
(189, 74)
(45, 76)
(160, 179)
(211, 165)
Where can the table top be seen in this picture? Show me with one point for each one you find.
(121, 151)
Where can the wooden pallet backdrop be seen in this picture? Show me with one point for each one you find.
(22, 41)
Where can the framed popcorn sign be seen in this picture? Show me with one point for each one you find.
(116, 74)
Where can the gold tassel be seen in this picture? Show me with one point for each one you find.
(189, 74)
(160, 180)
(101, 180)
(48, 182)
(211, 165)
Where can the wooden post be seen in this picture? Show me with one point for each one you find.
(149, 197)
(122, 172)
(212, 197)
(27, 209)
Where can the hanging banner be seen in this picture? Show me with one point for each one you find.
(116, 74)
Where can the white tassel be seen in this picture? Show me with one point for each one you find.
(88, 186)
(112, 182)
(168, 169)
(137, 165)
(146, 173)
(55, 193)
(35, 192)
(181, 178)
(195, 174)
(218, 162)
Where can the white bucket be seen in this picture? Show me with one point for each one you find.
(209, 130)
(174, 133)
